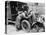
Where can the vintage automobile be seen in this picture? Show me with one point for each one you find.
(28, 24)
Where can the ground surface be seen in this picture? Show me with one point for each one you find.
(11, 30)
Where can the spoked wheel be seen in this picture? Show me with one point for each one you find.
(25, 25)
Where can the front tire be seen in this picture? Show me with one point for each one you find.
(25, 25)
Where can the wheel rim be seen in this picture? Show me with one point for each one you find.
(26, 25)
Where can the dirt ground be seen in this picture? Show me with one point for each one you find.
(11, 30)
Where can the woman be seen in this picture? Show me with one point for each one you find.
(19, 17)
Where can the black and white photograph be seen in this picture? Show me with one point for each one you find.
(24, 17)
